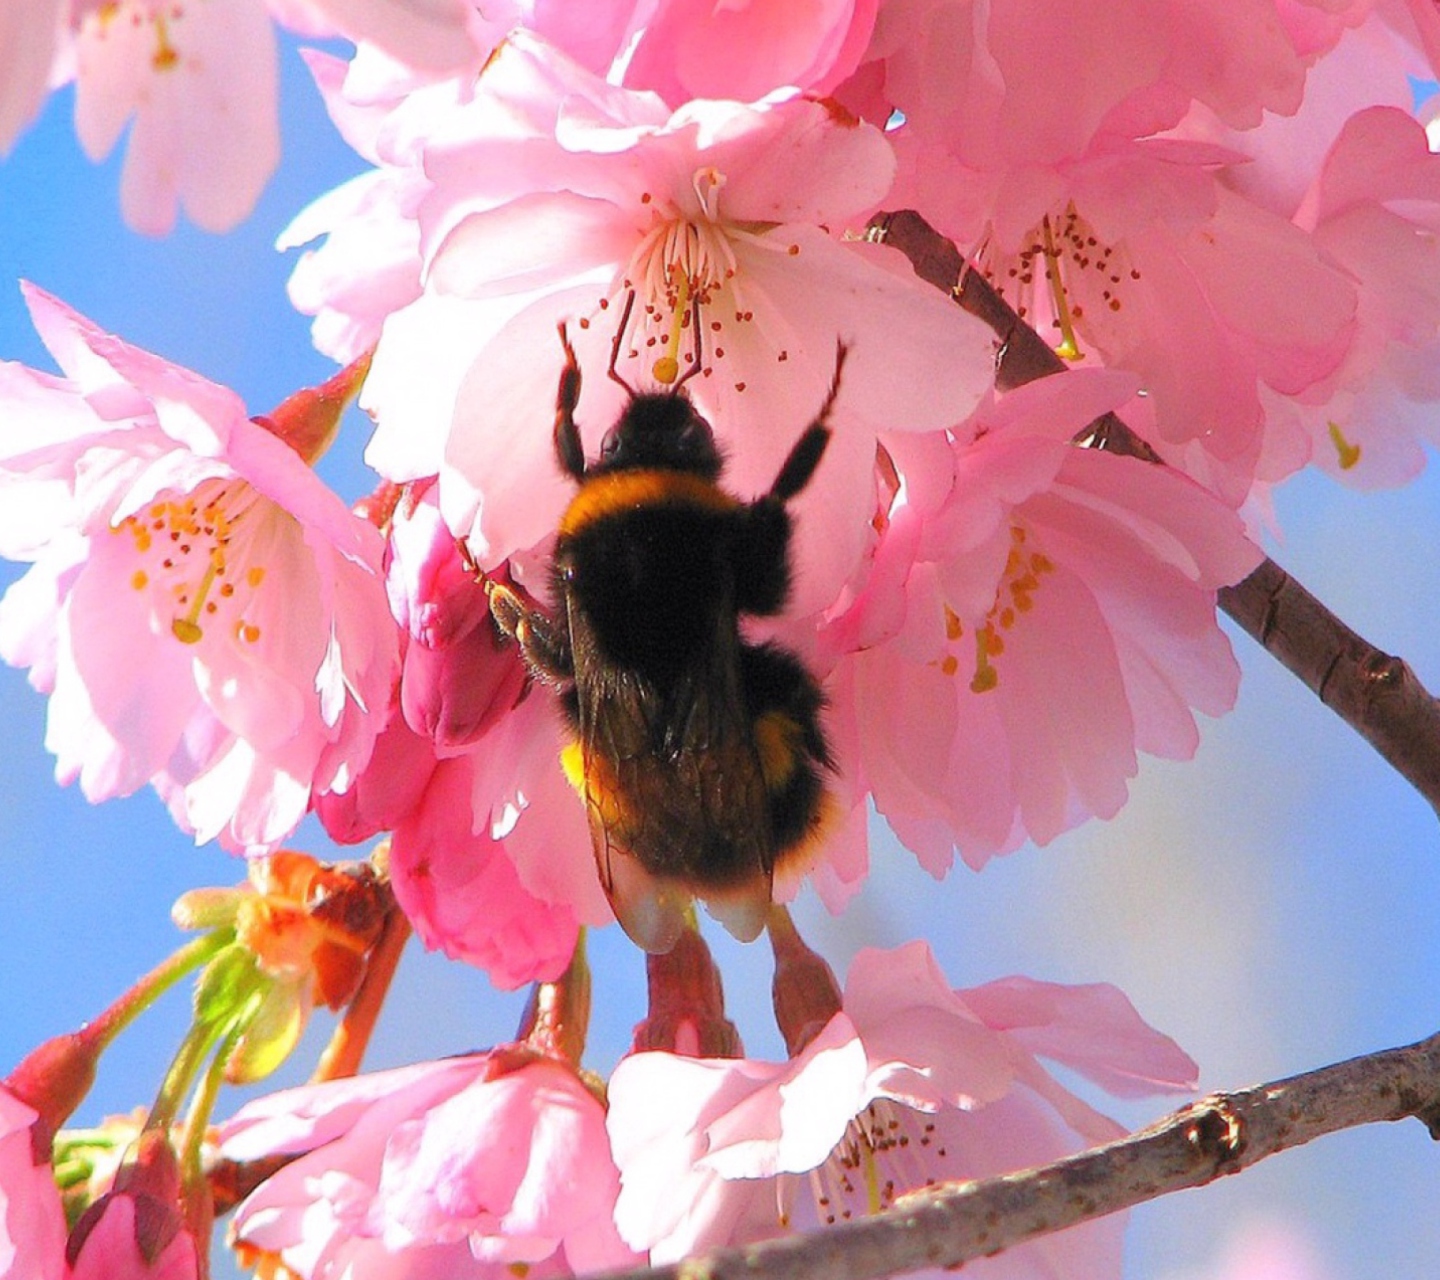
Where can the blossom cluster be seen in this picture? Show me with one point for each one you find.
(1223, 218)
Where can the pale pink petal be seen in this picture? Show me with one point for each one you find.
(29, 35)
(193, 410)
(660, 1113)
(912, 1083)
(502, 427)
(1092, 1029)
(691, 49)
(499, 1151)
(924, 1044)
(32, 1223)
(430, 34)
(523, 796)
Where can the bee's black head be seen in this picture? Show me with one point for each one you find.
(660, 429)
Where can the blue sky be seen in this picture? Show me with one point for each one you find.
(1274, 905)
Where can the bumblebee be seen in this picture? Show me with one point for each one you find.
(699, 755)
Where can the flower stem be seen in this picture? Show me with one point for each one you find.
(804, 991)
(197, 1045)
(100, 1031)
(557, 1019)
(346, 1050)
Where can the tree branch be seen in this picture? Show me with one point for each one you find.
(1375, 693)
(953, 1223)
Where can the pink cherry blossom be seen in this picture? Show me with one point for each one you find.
(910, 1083)
(32, 1223)
(122, 1236)
(443, 777)
(1137, 254)
(1118, 240)
(205, 614)
(505, 890)
(1375, 209)
(1058, 616)
(590, 197)
(519, 795)
(386, 791)
(464, 894)
(490, 856)
(471, 1166)
(1023, 84)
(197, 85)
(369, 265)
(1365, 64)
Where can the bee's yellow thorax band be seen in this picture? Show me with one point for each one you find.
(622, 491)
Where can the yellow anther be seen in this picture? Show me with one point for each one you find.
(1347, 453)
(187, 630)
(667, 367)
(1069, 348)
(165, 55)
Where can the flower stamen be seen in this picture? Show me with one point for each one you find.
(165, 55)
(892, 1149)
(1083, 276)
(1024, 572)
(1069, 348)
(175, 536)
(667, 367)
(679, 268)
(1346, 452)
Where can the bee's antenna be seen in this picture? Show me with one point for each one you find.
(620, 338)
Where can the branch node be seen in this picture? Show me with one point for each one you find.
(1217, 1132)
(1382, 670)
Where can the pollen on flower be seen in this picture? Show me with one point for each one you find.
(1025, 567)
(682, 274)
(203, 536)
(1078, 271)
(888, 1150)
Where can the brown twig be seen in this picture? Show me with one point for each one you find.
(947, 1225)
(1375, 693)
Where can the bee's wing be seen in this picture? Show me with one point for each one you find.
(674, 792)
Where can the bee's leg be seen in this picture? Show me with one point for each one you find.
(762, 561)
(568, 448)
(800, 465)
(544, 645)
(762, 557)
